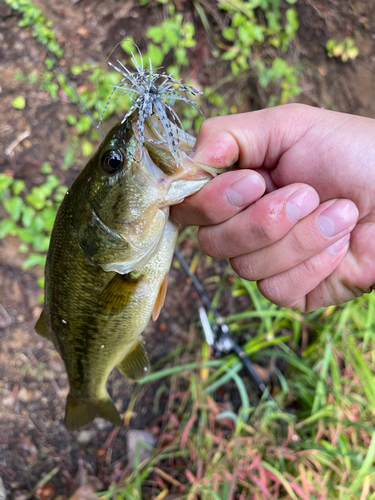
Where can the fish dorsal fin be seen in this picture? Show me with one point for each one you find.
(42, 328)
(160, 298)
(135, 365)
(117, 293)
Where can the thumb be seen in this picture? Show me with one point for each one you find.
(254, 139)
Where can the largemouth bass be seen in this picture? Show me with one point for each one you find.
(110, 253)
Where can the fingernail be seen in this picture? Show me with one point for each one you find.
(339, 244)
(245, 191)
(301, 203)
(337, 217)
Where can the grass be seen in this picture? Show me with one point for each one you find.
(322, 446)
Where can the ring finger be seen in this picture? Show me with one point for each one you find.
(313, 234)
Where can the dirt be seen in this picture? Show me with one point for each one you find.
(33, 384)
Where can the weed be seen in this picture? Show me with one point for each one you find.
(344, 50)
(247, 34)
(30, 216)
(323, 447)
(42, 27)
(19, 102)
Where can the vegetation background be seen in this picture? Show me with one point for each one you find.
(211, 434)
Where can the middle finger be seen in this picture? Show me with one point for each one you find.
(261, 224)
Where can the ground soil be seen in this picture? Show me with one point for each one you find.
(33, 384)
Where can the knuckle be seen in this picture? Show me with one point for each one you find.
(242, 266)
(207, 125)
(274, 290)
(310, 267)
(264, 232)
(211, 216)
(271, 289)
(300, 244)
(209, 243)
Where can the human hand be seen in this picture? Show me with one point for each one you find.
(310, 240)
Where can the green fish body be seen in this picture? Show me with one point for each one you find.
(107, 265)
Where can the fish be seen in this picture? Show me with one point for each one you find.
(110, 253)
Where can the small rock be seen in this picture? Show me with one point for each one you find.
(24, 395)
(86, 436)
(102, 424)
(134, 440)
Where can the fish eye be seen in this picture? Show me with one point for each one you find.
(112, 161)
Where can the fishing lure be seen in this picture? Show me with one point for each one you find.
(149, 97)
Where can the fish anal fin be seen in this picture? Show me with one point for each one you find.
(117, 293)
(135, 365)
(41, 327)
(160, 298)
(79, 413)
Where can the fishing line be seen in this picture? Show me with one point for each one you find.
(71, 85)
(219, 335)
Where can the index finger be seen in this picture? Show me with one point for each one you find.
(220, 199)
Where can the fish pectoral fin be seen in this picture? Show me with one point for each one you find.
(79, 413)
(160, 298)
(117, 293)
(135, 365)
(42, 328)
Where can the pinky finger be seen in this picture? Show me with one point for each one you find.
(293, 288)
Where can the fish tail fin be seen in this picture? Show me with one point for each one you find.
(79, 413)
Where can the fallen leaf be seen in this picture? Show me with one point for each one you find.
(29, 446)
(84, 492)
(83, 31)
(46, 492)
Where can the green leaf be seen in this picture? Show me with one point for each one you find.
(229, 55)
(228, 33)
(19, 102)
(292, 24)
(76, 70)
(34, 259)
(13, 207)
(40, 282)
(49, 62)
(28, 213)
(155, 54)
(36, 198)
(5, 182)
(46, 168)
(71, 119)
(18, 75)
(18, 186)
(87, 148)
(7, 226)
(48, 215)
(83, 124)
